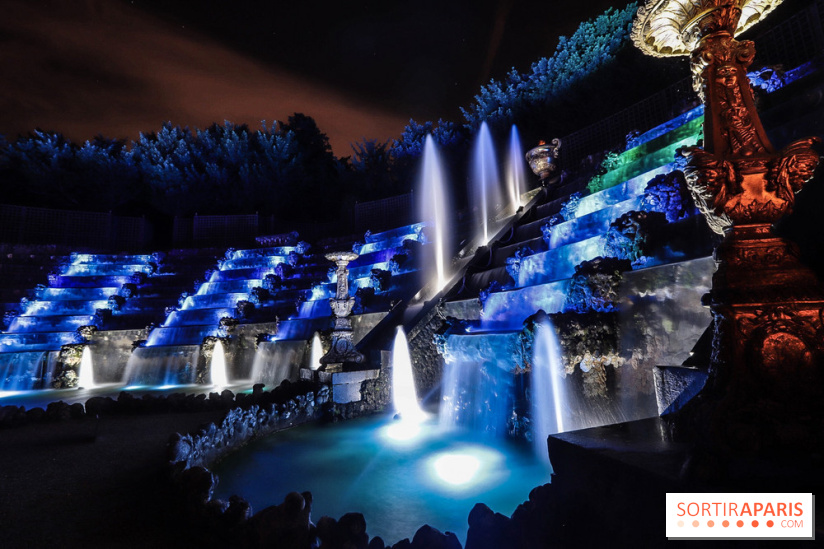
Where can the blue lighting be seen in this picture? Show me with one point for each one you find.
(456, 469)
(402, 431)
(435, 477)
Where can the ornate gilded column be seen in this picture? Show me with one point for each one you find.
(342, 348)
(767, 307)
(737, 177)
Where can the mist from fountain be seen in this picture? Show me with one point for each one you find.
(515, 174)
(217, 367)
(433, 206)
(486, 185)
(86, 376)
(549, 403)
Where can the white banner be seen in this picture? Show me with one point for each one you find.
(740, 516)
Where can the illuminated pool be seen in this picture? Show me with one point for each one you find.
(400, 478)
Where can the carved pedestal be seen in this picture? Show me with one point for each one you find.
(765, 383)
(769, 319)
(342, 348)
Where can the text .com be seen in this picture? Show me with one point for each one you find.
(742, 516)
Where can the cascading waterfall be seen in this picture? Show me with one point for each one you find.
(433, 206)
(24, 371)
(217, 368)
(478, 384)
(549, 404)
(86, 377)
(515, 175)
(485, 181)
(156, 366)
(278, 360)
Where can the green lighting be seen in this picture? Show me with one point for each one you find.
(648, 156)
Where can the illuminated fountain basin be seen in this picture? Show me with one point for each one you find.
(399, 473)
(398, 484)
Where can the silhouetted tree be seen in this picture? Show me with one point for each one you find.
(371, 171)
(321, 171)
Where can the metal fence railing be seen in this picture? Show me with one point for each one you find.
(219, 230)
(104, 231)
(609, 132)
(379, 215)
(215, 230)
(791, 43)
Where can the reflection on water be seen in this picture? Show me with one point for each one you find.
(399, 483)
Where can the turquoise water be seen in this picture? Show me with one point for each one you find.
(398, 478)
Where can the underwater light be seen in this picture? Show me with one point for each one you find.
(467, 467)
(403, 430)
(457, 469)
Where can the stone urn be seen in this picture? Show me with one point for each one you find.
(542, 158)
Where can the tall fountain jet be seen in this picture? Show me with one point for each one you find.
(515, 173)
(315, 352)
(404, 396)
(86, 377)
(217, 369)
(486, 184)
(434, 206)
(549, 403)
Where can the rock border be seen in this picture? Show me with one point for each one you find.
(221, 523)
(127, 403)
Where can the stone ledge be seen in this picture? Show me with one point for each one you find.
(676, 385)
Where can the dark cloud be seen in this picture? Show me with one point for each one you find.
(361, 69)
(99, 66)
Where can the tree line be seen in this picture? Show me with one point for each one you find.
(288, 169)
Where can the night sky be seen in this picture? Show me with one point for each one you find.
(361, 69)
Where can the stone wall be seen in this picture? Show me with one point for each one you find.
(375, 393)
(427, 363)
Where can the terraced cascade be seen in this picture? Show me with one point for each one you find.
(85, 292)
(618, 264)
(266, 304)
(102, 300)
